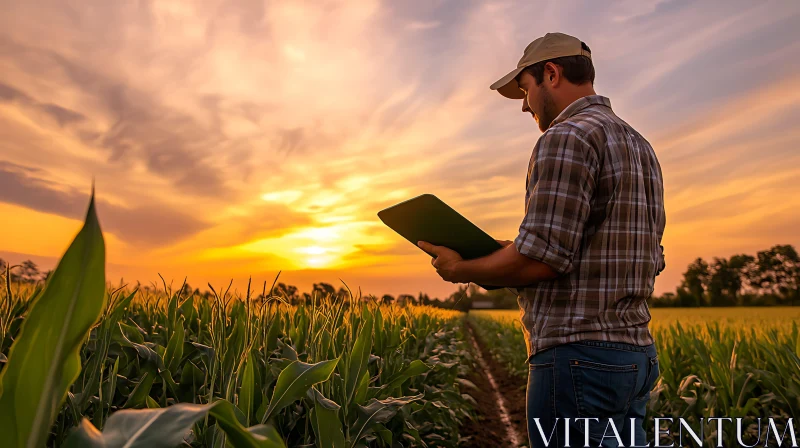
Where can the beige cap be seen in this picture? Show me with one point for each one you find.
(550, 46)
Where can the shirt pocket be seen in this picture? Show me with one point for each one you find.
(603, 391)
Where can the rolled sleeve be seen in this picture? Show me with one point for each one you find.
(560, 185)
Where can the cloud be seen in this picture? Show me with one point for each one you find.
(418, 25)
(130, 125)
(150, 225)
(60, 115)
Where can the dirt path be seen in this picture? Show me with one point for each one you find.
(501, 404)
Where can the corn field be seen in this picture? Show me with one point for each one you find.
(84, 366)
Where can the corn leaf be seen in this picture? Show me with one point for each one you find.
(168, 427)
(358, 359)
(247, 391)
(377, 412)
(295, 380)
(44, 360)
(325, 421)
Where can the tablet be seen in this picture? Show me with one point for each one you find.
(428, 218)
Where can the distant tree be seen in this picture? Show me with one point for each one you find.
(723, 283)
(776, 272)
(502, 298)
(669, 299)
(741, 265)
(423, 299)
(29, 272)
(3, 265)
(406, 299)
(695, 280)
(387, 299)
(288, 292)
(343, 293)
(323, 289)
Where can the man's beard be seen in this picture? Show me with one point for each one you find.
(549, 111)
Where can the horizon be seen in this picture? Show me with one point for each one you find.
(225, 142)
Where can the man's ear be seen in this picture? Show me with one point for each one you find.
(551, 74)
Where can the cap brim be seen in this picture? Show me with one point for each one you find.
(508, 87)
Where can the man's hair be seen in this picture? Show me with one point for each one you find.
(577, 69)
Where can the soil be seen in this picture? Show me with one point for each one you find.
(489, 429)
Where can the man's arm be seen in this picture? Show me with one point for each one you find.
(504, 267)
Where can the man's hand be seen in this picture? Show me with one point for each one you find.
(445, 261)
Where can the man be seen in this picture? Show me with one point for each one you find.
(586, 256)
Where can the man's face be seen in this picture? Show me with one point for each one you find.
(538, 100)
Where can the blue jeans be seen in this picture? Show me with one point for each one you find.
(602, 384)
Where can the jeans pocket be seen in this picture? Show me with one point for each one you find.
(652, 375)
(603, 390)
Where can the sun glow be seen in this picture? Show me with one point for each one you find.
(312, 250)
(285, 197)
(331, 246)
(318, 262)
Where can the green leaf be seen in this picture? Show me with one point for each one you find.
(295, 380)
(247, 391)
(797, 345)
(175, 347)
(379, 340)
(362, 389)
(234, 346)
(416, 367)
(188, 311)
(167, 428)
(377, 412)
(358, 359)
(138, 397)
(385, 434)
(44, 359)
(325, 421)
(273, 332)
(259, 436)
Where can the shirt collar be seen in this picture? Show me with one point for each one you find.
(579, 105)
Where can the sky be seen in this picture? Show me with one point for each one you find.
(238, 139)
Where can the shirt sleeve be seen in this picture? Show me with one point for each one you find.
(560, 185)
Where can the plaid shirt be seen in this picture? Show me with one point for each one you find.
(594, 212)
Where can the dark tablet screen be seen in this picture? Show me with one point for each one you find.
(428, 218)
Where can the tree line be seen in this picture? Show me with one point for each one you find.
(771, 277)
